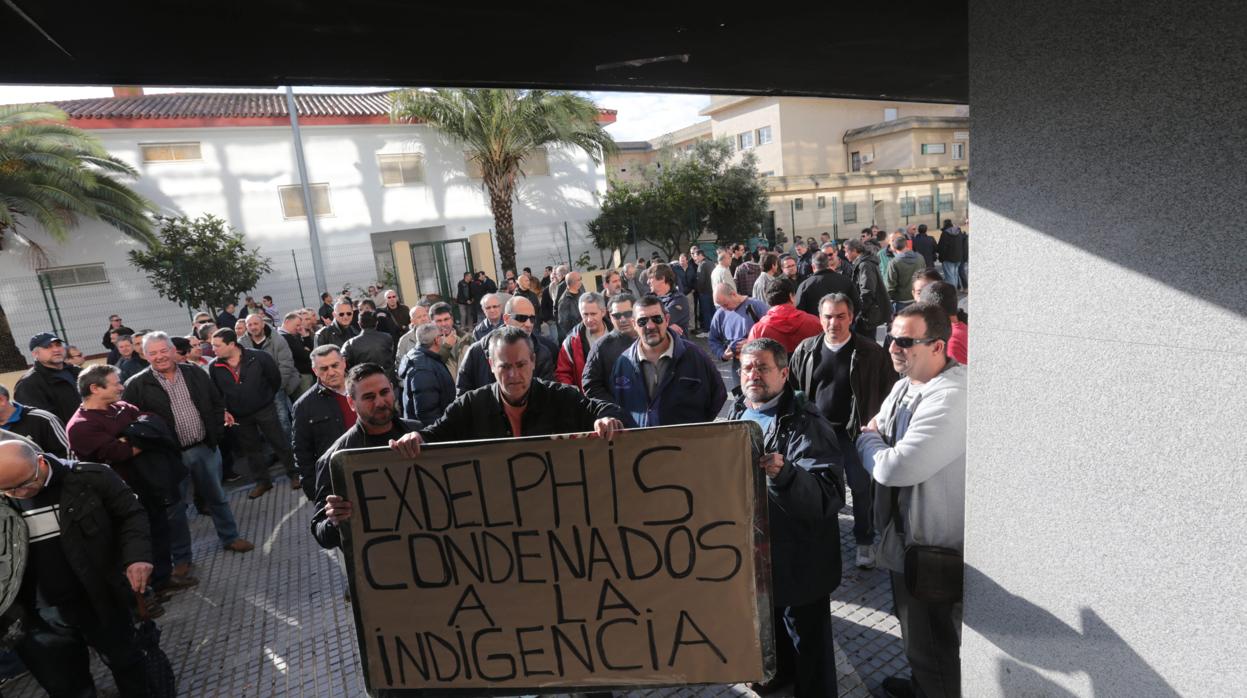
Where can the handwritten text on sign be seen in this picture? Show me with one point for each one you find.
(546, 562)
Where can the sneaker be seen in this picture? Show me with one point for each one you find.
(260, 489)
(898, 687)
(866, 556)
(241, 545)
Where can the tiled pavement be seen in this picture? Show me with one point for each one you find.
(273, 622)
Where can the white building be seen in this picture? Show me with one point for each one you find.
(388, 197)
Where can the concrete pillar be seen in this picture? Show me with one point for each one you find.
(1107, 472)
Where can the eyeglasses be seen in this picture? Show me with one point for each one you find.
(621, 316)
(345, 314)
(643, 320)
(521, 318)
(909, 342)
(33, 479)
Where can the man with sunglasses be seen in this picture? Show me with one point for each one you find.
(519, 312)
(915, 450)
(595, 379)
(342, 327)
(664, 378)
(81, 570)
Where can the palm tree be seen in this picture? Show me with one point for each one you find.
(499, 128)
(54, 175)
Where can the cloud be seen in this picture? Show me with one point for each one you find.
(645, 116)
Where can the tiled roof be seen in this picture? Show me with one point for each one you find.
(236, 105)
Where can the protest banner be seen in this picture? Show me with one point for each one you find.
(543, 564)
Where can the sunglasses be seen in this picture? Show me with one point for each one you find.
(909, 342)
(643, 320)
(624, 314)
(522, 318)
(345, 314)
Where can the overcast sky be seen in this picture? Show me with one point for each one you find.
(642, 116)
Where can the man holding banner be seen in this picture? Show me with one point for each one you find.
(513, 405)
(805, 489)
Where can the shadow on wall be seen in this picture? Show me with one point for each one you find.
(1034, 639)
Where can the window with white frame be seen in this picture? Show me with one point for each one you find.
(170, 152)
(850, 212)
(959, 151)
(932, 148)
(764, 135)
(398, 169)
(292, 200)
(76, 275)
(744, 141)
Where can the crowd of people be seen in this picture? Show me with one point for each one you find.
(117, 453)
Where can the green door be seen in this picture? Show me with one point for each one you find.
(439, 266)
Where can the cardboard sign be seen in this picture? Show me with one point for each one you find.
(542, 564)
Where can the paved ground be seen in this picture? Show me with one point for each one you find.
(273, 622)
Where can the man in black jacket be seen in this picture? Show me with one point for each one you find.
(40, 426)
(474, 370)
(847, 376)
(805, 490)
(249, 380)
(822, 281)
(875, 307)
(341, 329)
(184, 397)
(370, 346)
(600, 364)
(81, 571)
(51, 384)
(515, 404)
(321, 415)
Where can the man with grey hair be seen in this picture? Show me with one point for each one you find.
(474, 369)
(722, 274)
(321, 414)
(574, 351)
(491, 305)
(632, 283)
(427, 384)
(184, 397)
(567, 307)
(417, 316)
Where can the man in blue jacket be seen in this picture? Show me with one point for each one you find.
(664, 378)
(427, 386)
(805, 490)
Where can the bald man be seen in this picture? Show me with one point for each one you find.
(82, 570)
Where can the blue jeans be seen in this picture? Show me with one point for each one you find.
(706, 301)
(285, 413)
(950, 272)
(860, 484)
(205, 466)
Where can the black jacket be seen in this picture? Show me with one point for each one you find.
(804, 501)
(259, 379)
(875, 307)
(567, 311)
(226, 320)
(925, 245)
(323, 531)
(553, 408)
(474, 368)
(335, 334)
(104, 529)
(317, 424)
(484, 327)
(370, 346)
(600, 365)
(871, 376)
(41, 427)
(145, 392)
(463, 292)
(50, 390)
(819, 284)
(131, 367)
(299, 351)
(159, 465)
(952, 246)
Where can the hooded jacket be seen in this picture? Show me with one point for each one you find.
(925, 469)
(822, 282)
(691, 390)
(951, 247)
(900, 275)
(803, 500)
(786, 325)
(875, 308)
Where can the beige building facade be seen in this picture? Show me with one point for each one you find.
(628, 164)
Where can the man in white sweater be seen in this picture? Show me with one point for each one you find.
(915, 450)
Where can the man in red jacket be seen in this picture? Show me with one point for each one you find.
(784, 322)
(575, 349)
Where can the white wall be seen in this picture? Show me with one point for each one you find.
(238, 179)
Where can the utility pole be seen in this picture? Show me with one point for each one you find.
(313, 234)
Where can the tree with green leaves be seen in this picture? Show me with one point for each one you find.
(695, 192)
(499, 129)
(53, 176)
(201, 262)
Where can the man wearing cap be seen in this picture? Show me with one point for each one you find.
(51, 384)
